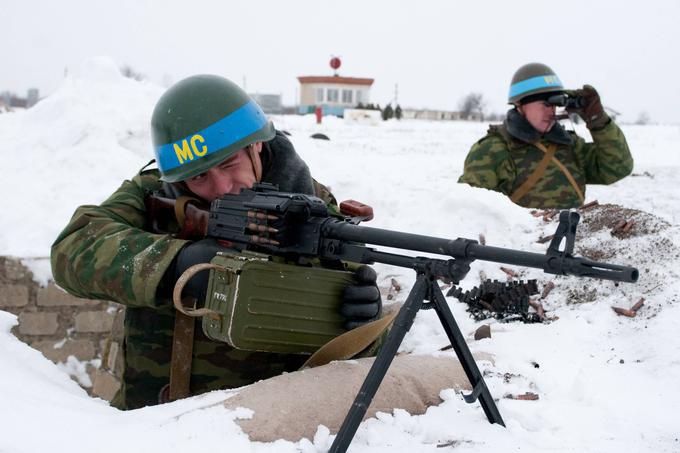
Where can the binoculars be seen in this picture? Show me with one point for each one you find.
(567, 101)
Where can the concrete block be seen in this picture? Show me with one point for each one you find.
(12, 269)
(80, 349)
(112, 356)
(94, 321)
(117, 329)
(38, 323)
(12, 295)
(53, 296)
(105, 385)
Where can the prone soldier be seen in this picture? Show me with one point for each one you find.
(209, 139)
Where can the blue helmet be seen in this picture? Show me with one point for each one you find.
(533, 78)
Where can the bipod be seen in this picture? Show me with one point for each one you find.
(425, 288)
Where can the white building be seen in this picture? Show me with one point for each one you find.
(333, 93)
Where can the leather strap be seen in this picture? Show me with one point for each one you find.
(350, 343)
(180, 362)
(536, 174)
(180, 208)
(183, 335)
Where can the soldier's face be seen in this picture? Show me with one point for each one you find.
(228, 177)
(539, 114)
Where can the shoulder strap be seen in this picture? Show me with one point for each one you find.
(535, 176)
(570, 178)
(537, 173)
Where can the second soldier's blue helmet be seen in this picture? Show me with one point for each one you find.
(201, 121)
(533, 78)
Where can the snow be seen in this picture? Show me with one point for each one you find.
(605, 383)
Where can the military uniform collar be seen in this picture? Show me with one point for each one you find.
(519, 128)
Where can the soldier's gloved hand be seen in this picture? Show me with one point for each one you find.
(202, 251)
(592, 113)
(361, 302)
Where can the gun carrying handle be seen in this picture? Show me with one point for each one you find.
(356, 209)
(179, 286)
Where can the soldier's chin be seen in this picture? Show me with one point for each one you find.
(548, 125)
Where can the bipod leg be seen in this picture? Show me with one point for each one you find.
(479, 388)
(376, 374)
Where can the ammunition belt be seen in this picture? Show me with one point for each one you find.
(505, 301)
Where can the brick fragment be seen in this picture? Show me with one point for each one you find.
(53, 296)
(93, 321)
(13, 295)
(38, 323)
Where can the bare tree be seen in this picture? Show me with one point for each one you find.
(130, 72)
(643, 119)
(472, 107)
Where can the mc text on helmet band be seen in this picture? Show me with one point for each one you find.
(229, 130)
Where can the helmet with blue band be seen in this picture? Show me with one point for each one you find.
(533, 78)
(202, 121)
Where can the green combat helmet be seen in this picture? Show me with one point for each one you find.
(201, 121)
(533, 78)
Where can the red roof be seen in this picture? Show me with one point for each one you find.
(335, 80)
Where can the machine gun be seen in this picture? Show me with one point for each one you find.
(300, 227)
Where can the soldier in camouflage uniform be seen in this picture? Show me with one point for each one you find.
(210, 138)
(537, 163)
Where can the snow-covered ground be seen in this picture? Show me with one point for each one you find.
(605, 383)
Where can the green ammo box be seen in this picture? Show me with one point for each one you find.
(269, 306)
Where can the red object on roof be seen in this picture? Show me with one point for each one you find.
(335, 62)
(335, 80)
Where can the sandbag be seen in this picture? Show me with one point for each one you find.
(291, 406)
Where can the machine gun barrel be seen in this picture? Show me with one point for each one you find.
(553, 262)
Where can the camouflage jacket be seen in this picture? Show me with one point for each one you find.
(106, 252)
(506, 157)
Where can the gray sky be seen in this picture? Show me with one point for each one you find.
(435, 51)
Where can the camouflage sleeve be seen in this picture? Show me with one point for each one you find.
(324, 192)
(608, 158)
(104, 253)
(488, 165)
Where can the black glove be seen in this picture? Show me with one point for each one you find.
(592, 113)
(202, 251)
(361, 302)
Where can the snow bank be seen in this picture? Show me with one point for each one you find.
(605, 383)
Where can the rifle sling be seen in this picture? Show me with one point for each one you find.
(350, 343)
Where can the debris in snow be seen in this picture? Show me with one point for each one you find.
(528, 396)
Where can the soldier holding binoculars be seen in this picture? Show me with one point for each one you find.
(536, 162)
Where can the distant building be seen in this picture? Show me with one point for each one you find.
(428, 114)
(270, 103)
(333, 93)
(32, 97)
(10, 101)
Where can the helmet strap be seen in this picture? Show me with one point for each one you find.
(256, 161)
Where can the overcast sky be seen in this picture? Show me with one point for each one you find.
(434, 51)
